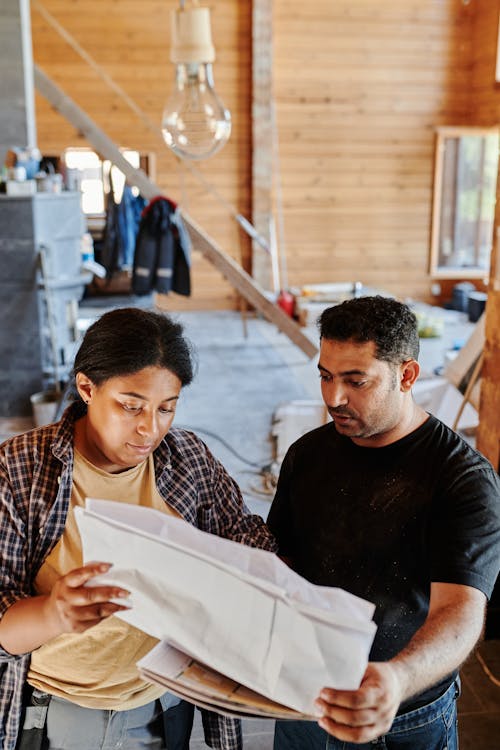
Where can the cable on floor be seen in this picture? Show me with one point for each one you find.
(486, 669)
(224, 443)
(268, 472)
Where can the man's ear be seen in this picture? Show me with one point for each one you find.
(410, 371)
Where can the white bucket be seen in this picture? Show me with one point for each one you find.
(44, 406)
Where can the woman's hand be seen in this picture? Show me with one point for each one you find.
(78, 607)
(71, 607)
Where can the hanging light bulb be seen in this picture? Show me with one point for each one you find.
(195, 123)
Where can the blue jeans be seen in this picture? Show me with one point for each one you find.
(431, 727)
(53, 723)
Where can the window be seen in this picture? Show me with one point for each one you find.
(95, 182)
(91, 178)
(465, 179)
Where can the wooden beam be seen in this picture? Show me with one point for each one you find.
(94, 135)
(249, 289)
(231, 270)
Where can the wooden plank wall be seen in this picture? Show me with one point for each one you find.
(131, 42)
(486, 111)
(359, 86)
(485, 89)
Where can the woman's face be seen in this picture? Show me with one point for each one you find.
(127, 417)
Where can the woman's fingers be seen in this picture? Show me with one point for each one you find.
(80, 606)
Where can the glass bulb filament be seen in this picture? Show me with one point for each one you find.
(195, 123)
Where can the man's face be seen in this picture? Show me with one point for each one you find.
(363, 394)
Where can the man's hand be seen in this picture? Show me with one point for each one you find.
(450, 632)
(364, 714)
(77, 607)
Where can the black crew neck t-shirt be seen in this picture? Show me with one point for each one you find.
(383, 523)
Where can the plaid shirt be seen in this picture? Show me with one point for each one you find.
(36, 471)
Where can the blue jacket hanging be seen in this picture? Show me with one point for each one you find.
(130, 211)
(162, 257)
(116, 251)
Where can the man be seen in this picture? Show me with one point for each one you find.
(388, 503)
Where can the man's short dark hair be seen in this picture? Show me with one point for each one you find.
(390, 324)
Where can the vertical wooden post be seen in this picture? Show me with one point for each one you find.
(488, 436)
(262, 137)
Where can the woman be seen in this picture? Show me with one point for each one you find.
(67, 664)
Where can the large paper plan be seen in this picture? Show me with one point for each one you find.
(236, 610)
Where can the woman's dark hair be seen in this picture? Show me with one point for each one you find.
(390, 324)
(127, 340)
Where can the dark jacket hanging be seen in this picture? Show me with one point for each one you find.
(162, 251)
(111, 250)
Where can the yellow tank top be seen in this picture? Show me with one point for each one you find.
(96, 669)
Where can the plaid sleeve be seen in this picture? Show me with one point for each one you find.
(231, 518)
(25, 529)
(221, 732)
(13, 545)
(206, 496)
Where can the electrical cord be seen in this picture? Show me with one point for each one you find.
(224, 443)
(268, 472)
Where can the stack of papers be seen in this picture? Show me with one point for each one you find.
(189, 679)
(241, 633)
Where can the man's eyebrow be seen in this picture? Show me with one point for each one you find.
(344, 372)
(133, 394)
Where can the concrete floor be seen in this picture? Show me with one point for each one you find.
(240, 382)
(479, 704)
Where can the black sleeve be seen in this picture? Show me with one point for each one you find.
(465, 538)
(280, 518)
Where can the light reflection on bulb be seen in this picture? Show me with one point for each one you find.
(195, 123)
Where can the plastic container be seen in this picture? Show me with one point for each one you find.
(476, 305)
(87, 248)
(460, 295)
(44, 406)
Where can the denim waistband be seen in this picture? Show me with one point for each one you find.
(421, 715)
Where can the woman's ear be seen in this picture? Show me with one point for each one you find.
(410, 371)
(84, 386)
